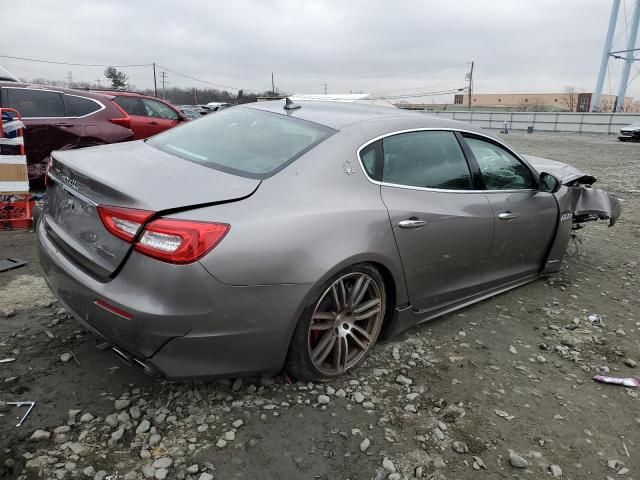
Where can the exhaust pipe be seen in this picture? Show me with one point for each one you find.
(122, 356)
(148, 369)
(130, 361)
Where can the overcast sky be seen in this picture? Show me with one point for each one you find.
(391, 47)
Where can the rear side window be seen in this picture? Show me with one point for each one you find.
(131, 105)
(80, 106)
(427, 159)
(243, 141)
(158, 110)
(35, 103)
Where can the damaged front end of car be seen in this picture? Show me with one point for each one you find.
(578, 204)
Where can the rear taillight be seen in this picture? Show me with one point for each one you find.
(180, 241)
(122, 121)
(169, 240)
(124, 223)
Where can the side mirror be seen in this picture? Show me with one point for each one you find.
(549, 183)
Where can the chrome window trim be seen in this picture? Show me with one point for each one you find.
(444, 190)
(102, 106)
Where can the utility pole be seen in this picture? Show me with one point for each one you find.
(470, 84)
(99, 84)
(604, 63)
(631, 42)
(325, 88)
(155, 85)
(273, 86)
(163, 79)
(70, 78)
(195, 96)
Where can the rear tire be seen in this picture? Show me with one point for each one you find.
(338, 328)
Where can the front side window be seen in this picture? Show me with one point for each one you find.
(243, 141)
(36, 103)
(428, 159)
(500, 170)
(158, 110)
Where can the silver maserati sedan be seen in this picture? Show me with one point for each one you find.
(283, 235)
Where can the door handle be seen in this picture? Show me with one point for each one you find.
(412, 223)
(153, 123)
(507, 216)
(63, 124)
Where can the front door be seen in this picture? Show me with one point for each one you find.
(43, 113)
(443, 227)
(525, 218)
(161, 117)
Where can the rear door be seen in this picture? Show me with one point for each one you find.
(161, 117)
(134, 108)
(443, 226)
(43, 112)
(525, 218)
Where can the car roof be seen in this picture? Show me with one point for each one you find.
(119, 93)
(70, 91)
(338, 115)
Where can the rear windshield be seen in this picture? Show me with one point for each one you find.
(243, 141)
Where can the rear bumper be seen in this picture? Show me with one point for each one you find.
(185, 323)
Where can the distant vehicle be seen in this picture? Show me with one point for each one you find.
(630, 132)
(147, 115)
(273, 235)
(61, 119)
(6, 76)
(190, 112)
(217, 106)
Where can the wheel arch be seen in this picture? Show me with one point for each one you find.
(394, 286)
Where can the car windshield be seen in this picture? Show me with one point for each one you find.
(243, 141)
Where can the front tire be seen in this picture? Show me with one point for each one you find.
(339, 326)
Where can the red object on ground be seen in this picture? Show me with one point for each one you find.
(16, 208)
(16, 213)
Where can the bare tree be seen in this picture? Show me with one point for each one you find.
(570, 98)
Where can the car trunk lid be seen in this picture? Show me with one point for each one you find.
(130, 175)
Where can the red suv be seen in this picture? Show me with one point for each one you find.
(148, 115)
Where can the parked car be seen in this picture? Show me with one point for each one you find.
(216, 106)
(630, 132)
(148, 115)
(59, 119)
(269, 236)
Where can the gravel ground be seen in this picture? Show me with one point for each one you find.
(501, 389)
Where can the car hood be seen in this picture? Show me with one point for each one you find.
(562, 171)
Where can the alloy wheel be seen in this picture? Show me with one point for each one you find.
(345, 323)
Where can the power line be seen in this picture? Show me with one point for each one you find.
(198, 79)
(421, 88)
(443, 67)
(75, 64)
(426, 94)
